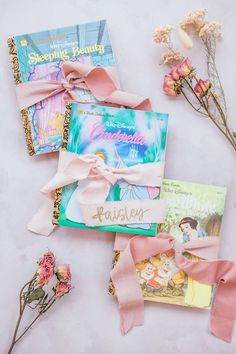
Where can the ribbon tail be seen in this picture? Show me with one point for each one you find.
(126, 99)
(128, 291)
(223, 312)
(41, 222)
(130, 317)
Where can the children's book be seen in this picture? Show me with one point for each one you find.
(40, 55)
(122, 138)
(193, 210)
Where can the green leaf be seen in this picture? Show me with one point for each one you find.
(36, 294)
(234, 134)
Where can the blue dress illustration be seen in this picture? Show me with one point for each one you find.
(200, 233)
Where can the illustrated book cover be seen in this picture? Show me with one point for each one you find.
(122, 138)
(39, 56)
(193, 210)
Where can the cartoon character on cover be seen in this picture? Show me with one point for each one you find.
(166, 274)
(146, 272)
(197, 294)
(177, 276)
(190, 230)
(133, 192)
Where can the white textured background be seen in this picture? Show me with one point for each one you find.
(87, 320)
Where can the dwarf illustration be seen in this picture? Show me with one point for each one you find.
(161, 276)
(176, 280)
(146, 272)
(167, 275)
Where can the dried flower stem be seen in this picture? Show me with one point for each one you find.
(21, 312)
(50, 303)
(210, 46)
(226, 131)
(22, 309)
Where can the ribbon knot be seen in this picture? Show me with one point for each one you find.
(67, 85)
(100, 169)
(101, 82)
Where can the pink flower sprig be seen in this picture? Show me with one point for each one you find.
(199, 94)
(207, 96)
(33, 295)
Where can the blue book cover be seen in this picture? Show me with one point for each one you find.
(122, 138)
(40, 55)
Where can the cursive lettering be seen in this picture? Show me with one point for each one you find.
(120, 215)
(99, 133)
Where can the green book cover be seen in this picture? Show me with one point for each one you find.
(122, 138)
(193, 210)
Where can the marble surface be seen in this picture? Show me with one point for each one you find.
(87, 321)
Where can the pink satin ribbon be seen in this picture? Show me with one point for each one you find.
(100, 81)
(73, 168)
(212, 271)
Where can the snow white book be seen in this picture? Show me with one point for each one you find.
(121, 138)
(193, 210)
(40, 56)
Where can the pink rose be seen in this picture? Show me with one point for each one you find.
(170, 87)
(61, 289)
(184, 68)
(63, 273)
(48, 259)
(202, 87)
(44, 275)
(174, 73)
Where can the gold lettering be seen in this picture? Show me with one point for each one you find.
(35, 58)
(124, 214)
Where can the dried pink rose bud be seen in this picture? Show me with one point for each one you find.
(174, 73)
(63, 273)
(202, 87)
(170, 87)
(185, 68)
(61, 289)
(48, 259)
(44, 275)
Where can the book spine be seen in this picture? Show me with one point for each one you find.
(18, 80)
(115, 258)
(58, 194)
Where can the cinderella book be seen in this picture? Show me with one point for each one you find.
(121, 138)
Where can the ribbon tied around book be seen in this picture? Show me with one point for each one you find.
(98, 179)
(100, 81)
(207, 270)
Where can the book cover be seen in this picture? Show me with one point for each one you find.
(122, 138)
(193, 210)
(40, 55)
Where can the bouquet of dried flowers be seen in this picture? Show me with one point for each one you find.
(205, 96)
(34, 296)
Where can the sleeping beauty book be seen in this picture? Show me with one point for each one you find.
(193, 210)
(121, 138)
(40, 56)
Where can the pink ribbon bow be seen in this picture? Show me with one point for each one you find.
(100, 81)
(212, 271)
(74, 168)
